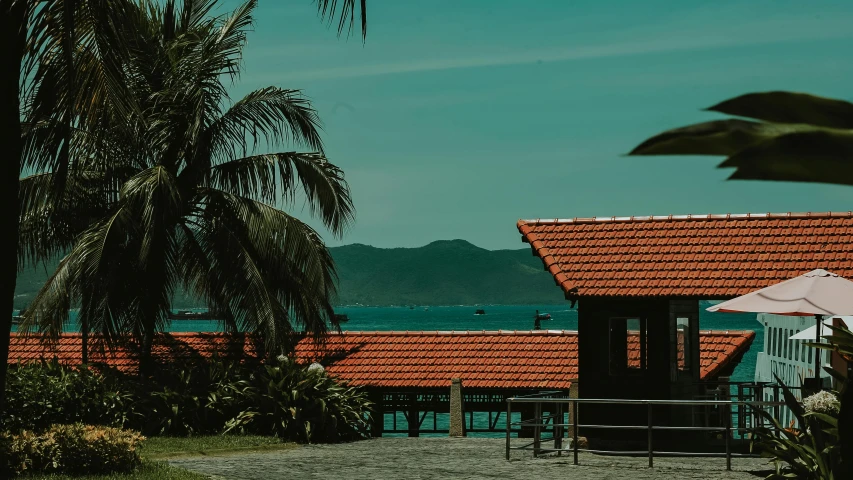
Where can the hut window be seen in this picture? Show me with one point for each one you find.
(628, 352)
(684, 344)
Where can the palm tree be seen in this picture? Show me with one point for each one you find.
(797, 137)
(174, 194)
(22, 21)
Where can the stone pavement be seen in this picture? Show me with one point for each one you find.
(452, 458)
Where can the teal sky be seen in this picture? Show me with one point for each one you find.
(458, 117)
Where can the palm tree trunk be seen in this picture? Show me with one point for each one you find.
(13, 15)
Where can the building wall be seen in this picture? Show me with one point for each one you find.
(660, 380)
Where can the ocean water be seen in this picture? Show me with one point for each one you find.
(497, 317)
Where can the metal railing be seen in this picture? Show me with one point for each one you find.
(553, 421)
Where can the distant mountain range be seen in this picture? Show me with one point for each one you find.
(446, 272)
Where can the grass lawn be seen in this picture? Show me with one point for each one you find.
(157, 449)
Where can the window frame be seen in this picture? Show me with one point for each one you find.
(627, 370)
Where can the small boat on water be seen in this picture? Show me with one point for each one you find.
(542, 316)
(480, 312)
(341, 318)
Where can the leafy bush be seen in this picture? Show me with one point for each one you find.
(72, 449)
(812, 451)
(198, 399)
(283, 399)
(39, 395)
(823, 446)
(294, 402)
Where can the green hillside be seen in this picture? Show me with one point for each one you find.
(452, 272)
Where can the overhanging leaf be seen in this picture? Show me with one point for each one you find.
(718, 137)
(790, 107)
(824, 156)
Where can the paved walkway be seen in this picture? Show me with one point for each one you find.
(446, 458)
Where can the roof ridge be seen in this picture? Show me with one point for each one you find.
(707, 216)
(453, 332)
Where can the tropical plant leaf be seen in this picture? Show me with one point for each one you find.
(274, 114)
(835, 374)
(718, 137)
(790, 107)
(272, 178)
(816, 156)
(346, 13)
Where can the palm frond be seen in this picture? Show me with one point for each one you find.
(272, 178)
(271, 114)
(49, 225)
(48, 311)
(292, 272)
(346, 14)
(154, 195)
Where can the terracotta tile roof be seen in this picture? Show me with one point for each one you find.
(704, 256)
(545, 359)
(173, 348)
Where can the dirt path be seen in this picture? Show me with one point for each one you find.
(446, 458)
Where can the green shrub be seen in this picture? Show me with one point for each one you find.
(283, 399)
(293, 402)
(812, 452)
(195, 400)
(42, 394)
(823, 447)
(71, 449)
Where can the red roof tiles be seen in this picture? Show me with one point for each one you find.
(708, 256)
(544, 359)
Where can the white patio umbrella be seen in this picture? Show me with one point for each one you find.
(815, 293)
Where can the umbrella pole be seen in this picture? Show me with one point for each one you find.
(818, 319)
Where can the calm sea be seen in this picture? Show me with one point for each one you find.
(497, 317)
